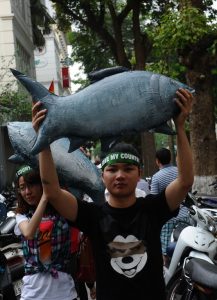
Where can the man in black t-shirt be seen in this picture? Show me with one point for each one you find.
(125, 231)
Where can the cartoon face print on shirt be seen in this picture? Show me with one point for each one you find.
(128, 255)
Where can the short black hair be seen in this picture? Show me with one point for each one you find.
(164, 156)
(125, 148)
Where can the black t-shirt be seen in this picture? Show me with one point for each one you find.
(126, 246)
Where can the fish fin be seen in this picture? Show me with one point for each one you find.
(107, 144)
(100, 74)
(36, 89)
(75, 143)
(16, 158)
(41, 142)
(163, 128)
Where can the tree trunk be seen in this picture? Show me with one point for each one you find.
(141, 50)
(202, 131)
(148, 154)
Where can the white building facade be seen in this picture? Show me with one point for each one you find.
(18, 52)
(49, 59)
(16, 43)
(49, 62)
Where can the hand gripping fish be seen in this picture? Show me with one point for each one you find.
(117, 104)
(75, 170)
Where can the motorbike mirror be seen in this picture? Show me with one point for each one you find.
(3, 212)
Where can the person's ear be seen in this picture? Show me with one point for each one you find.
(103, 177)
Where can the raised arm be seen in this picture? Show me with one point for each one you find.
(177, 190)
(64, 202)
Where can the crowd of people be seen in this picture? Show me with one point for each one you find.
(125, 231)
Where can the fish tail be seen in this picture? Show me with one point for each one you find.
(36, 89)
(17, 159)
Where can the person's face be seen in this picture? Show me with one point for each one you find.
(121, 179)
(31, 193)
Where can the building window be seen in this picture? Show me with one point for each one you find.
(22, 58)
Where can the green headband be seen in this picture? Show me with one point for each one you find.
(120, 157)
(23, 170)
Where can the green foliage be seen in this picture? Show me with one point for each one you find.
(90, 50)
(14, 106)
(97, 149)
(180, 29)
(103, 33)
(213, 48)
(41, 22)
(169, 67)
(178, 32)
(161, 140)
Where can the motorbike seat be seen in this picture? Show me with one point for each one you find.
(202, 272)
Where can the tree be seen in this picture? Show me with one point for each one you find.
(116, 28)
(187, 38)
(14, 105)
(87, 45)
(41, 21)
(184, 40)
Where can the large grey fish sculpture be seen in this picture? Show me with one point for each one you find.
(123, 103)
(74, 169)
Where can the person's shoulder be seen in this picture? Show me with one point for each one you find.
(168, 169)
(156, 173)
(153, 196)
(152, 200)
(19, 216)
(140, 193)
(173, 167)
(85, 203)
(91, 206)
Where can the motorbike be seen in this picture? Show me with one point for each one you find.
(198, 281)
(196, 241)
(11, 255)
